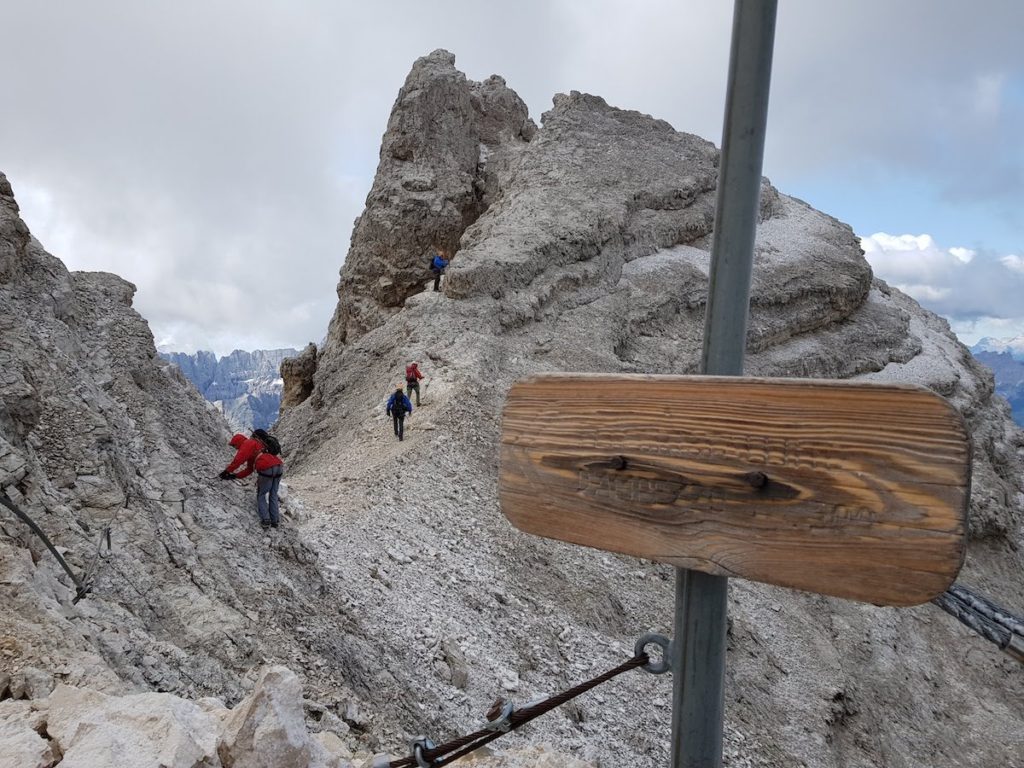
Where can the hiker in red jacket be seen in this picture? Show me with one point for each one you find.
(254, 453)
(246, 450)
(412, 380)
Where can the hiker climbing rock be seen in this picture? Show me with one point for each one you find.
(398, 406)
(246, 448)
(259, 453)
(412, 380)
(437, 266)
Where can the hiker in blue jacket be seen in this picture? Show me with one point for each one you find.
(398, 406)
(437, 266)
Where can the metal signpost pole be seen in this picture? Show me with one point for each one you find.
(698, 650)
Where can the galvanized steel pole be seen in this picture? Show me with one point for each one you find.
(698, 648)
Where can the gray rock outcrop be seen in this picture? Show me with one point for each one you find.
(98, 437)
(592, 254)
(297, 376)
(84, 728)
(446, 140)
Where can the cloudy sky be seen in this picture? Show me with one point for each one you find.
(216, 152)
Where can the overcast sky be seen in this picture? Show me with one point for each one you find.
(216, 152)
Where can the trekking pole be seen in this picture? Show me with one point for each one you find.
(698, 646)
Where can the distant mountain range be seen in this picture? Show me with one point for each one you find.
(1006, 359)
(1013, 347)
(245, 386)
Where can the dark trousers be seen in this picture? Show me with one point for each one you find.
(267, 503)
(437, 279)
(399, 424)
(413, 386)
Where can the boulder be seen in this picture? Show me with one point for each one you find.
(30, 683)
(157, 730)
(268, 730)
(22, 747)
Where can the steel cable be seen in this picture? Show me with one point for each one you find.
(450, 751)
(987, 608)
(984, 617)
(81, 588)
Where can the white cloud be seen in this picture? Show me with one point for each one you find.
(964, 254)
(1014, 262)
(980, 293)
(925, 293)
(197, 175)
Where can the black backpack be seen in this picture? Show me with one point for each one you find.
(270, 443)
(398, 406)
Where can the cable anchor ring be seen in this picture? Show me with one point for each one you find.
(653, 638)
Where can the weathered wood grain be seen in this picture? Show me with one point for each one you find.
(848, 489)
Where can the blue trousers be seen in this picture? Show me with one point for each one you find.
(266, 494)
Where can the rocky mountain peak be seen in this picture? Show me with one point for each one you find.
(592, 254)
(445, 137)
(406, 600)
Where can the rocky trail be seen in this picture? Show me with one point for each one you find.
(396, 592)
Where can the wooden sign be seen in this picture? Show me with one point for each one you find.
(849, 489)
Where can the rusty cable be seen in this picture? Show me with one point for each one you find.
(443, 754)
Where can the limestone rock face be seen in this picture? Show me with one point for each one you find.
(84, 728)
(23, 746)
(268, 729)
(592, 254)
(297, 373)
(445, 136)
(154, 729)
(98, 435)
(531, 757)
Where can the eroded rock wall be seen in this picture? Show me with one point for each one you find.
(445, 138)
(98, 434)
(593, 255)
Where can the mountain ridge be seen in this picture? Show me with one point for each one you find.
(245, 386)
(395, 585)
(1009, 378)
(585, 247)
(1013, 346)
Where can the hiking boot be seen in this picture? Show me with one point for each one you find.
(273, 525)
(264, 525)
